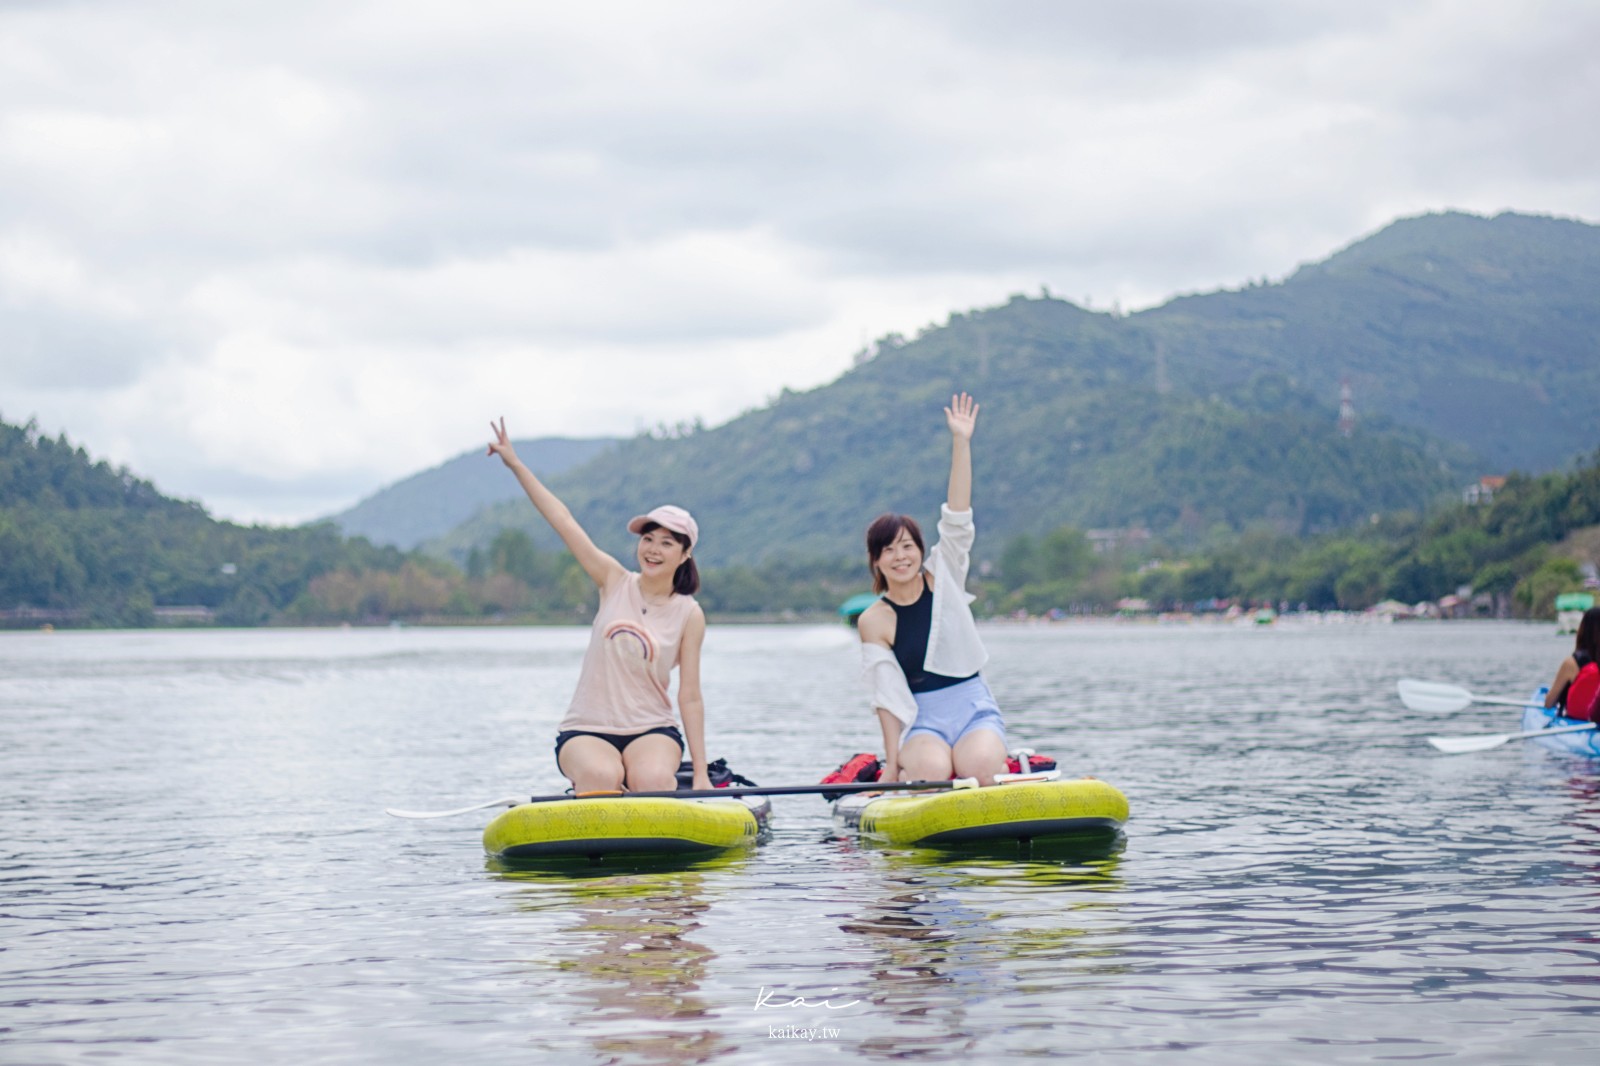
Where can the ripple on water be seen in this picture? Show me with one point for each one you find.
(195, 865)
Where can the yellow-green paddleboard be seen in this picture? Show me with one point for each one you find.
(1018, 810)
(624, 826)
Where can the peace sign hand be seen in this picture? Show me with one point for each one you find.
(501, 445)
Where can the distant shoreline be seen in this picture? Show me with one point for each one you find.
(1296, 620)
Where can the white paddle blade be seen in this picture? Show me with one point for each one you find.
(1433, 696)
(504, 801)
(1462, 745)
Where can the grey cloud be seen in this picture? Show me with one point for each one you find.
(315, 166)
(69, 348)
(462, 142)
(1147, 31)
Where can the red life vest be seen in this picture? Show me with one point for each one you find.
(867, 767)
(1579, 701)
(855, 770)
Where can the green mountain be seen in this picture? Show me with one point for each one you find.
(83, 543)
(1480, 331)
(1209, 415)
(432, 503)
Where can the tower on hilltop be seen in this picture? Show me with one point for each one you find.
(1347, 409)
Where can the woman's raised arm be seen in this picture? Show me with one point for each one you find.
(601, 568)
(962, 418)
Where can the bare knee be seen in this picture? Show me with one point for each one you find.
(591, 765)
(980, 754)
(925, 762)
(595, 779)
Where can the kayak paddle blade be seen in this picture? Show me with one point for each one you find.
(504, 801)
(1462, 745)
(1433, 696)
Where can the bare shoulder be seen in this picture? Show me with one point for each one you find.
(876, 624)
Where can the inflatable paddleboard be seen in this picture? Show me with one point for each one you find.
(1022, 811)
(624, 826)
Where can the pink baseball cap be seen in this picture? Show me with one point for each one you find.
(669, 517)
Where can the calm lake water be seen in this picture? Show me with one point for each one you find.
(195, 865)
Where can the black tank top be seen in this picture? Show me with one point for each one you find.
(911, 627)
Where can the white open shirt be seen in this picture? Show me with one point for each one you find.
(954, 648)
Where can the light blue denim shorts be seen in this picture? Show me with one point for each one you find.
(951, 713)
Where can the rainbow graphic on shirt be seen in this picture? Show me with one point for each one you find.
(629, 640)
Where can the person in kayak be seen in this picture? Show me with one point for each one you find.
(619, 731)
(1576, 689)
(919, 644)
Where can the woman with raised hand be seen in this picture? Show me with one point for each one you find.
(619, 731)
(919, 642)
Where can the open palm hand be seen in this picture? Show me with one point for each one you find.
(962, 416)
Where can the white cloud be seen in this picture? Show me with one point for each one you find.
(275, 256)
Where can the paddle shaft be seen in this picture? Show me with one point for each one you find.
(715, 793)
(1500, 700)
(774, 790)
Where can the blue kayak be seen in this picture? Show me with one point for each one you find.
(1536, 716)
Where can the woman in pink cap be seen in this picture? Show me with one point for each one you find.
(619, 731)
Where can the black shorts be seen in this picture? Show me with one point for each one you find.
(618, 740)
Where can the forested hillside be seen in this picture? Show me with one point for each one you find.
(1204, 433)
(1198, 420)
(1535, 539)
(81, 542)
(1480, 331)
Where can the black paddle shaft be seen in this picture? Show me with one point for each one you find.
(775, 790)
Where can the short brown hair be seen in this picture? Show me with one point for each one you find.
(884, 531)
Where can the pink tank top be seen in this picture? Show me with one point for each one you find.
(627, 669)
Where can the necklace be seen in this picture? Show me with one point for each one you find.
(649, 603)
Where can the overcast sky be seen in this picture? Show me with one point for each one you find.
(274, 256)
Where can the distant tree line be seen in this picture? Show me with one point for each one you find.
(514, 580)
(88, 544)
(1514, 549)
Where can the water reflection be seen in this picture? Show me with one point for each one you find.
(1087, 862)
(632, 944)
(953, 945)
(1306, 880)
